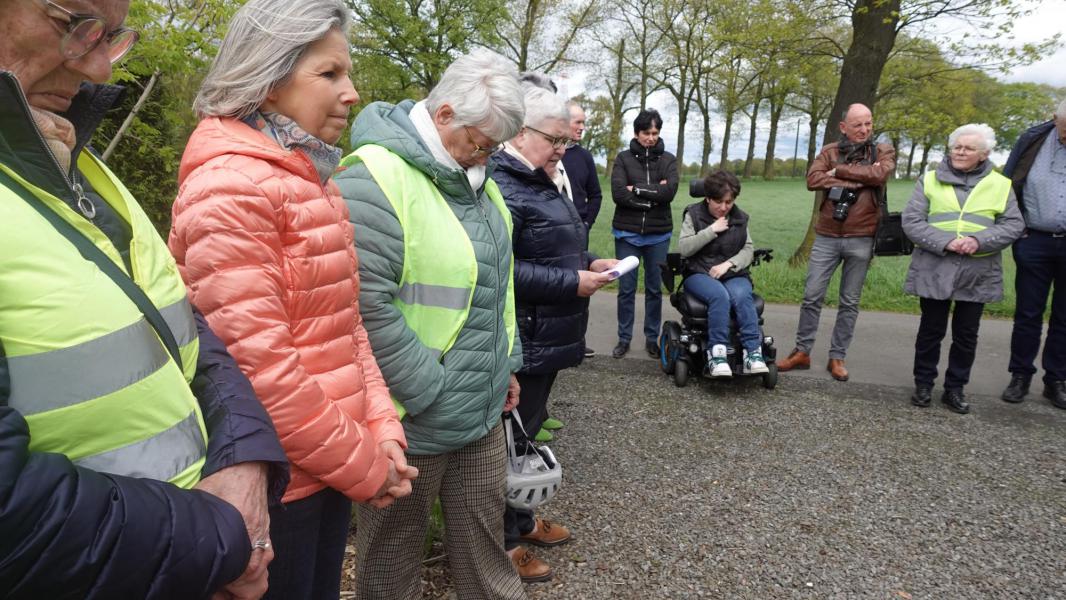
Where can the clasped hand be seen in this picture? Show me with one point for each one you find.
(964, 246)
(244, 485)
(398, 480)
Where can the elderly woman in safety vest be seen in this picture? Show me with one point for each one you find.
(116, 399)
(960, 217)
(434, 241)
(262, 238)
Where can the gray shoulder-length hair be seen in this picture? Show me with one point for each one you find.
(543, 105)
(482, 88)
(986, 133)
(260, 50)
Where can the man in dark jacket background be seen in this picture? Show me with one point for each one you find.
(581, 170)
(643, 184)
(849, 179)
(1037, 169)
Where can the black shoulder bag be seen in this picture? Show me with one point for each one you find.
(91, 253)
(889, 239)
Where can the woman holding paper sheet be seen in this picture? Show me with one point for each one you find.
(554, 276)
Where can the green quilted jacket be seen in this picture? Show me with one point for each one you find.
(458, 399)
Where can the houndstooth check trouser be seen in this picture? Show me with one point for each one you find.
(470, 482)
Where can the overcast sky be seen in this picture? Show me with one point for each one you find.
(1048, 18)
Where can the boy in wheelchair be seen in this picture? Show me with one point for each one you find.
(716, 252)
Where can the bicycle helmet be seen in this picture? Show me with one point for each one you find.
(532, 477)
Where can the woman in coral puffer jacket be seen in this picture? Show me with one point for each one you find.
(263, 241)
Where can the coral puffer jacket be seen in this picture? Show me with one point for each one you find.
(267, 254)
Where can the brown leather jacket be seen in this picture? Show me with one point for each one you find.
(864, 214)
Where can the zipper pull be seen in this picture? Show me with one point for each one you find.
(85, 206)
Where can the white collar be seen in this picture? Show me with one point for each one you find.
(427, 130)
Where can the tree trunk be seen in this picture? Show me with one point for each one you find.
(728, 114)
(751, 139)
(129, 118)
(897, 142)
(812, 147)
(873, 25)
(706, 158)
(776, 108)
(682, 122)
(910, 159)
(925, 157)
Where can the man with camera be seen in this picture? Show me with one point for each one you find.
(848, 178)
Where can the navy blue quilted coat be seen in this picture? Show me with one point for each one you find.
(550, 242)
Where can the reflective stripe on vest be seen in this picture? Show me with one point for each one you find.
(986, 201)
(439, 267)
(88, 372)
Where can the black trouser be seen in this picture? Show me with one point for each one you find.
(309, 536)
(533, 408)
(1041, 260)
(965, 322)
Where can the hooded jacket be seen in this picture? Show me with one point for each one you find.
(458, 399)
(266, 252)
(70, 532)
(941, 275)
(646, 208)
(549, 247)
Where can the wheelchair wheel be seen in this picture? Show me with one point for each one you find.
(769, 378)
(681, 373)
(669, 346)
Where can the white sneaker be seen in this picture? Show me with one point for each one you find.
(719, 362)
(754, 363)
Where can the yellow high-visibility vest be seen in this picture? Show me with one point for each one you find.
(986, 201)
(439, 264)
(87, 371)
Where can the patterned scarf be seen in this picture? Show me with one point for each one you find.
(290, 136)
(854, 152)
(58, 134)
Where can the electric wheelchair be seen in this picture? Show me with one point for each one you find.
(682, 346)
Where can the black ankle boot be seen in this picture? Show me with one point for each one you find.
(922, 396)
(955, 401)
(1056, 392)
(1017, 389)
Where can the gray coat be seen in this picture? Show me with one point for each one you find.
(941, 275)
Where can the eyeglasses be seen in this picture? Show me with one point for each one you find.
(478, 150)
(85, 32)
(557, 142)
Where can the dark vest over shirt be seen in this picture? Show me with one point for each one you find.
(722, 248)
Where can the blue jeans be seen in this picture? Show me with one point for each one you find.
(720, 296)
(1041, 260)
(651, 256)
(826, 255)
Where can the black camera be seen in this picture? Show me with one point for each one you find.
(842, 198)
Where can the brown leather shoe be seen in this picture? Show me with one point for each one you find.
(836, 369)
(530, 568)
(547, 534)
(797, 360)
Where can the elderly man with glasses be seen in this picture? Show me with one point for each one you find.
(433, 237)
(116, 399)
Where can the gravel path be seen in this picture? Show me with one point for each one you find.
(815, 490)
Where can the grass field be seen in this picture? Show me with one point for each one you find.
(780, 210)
